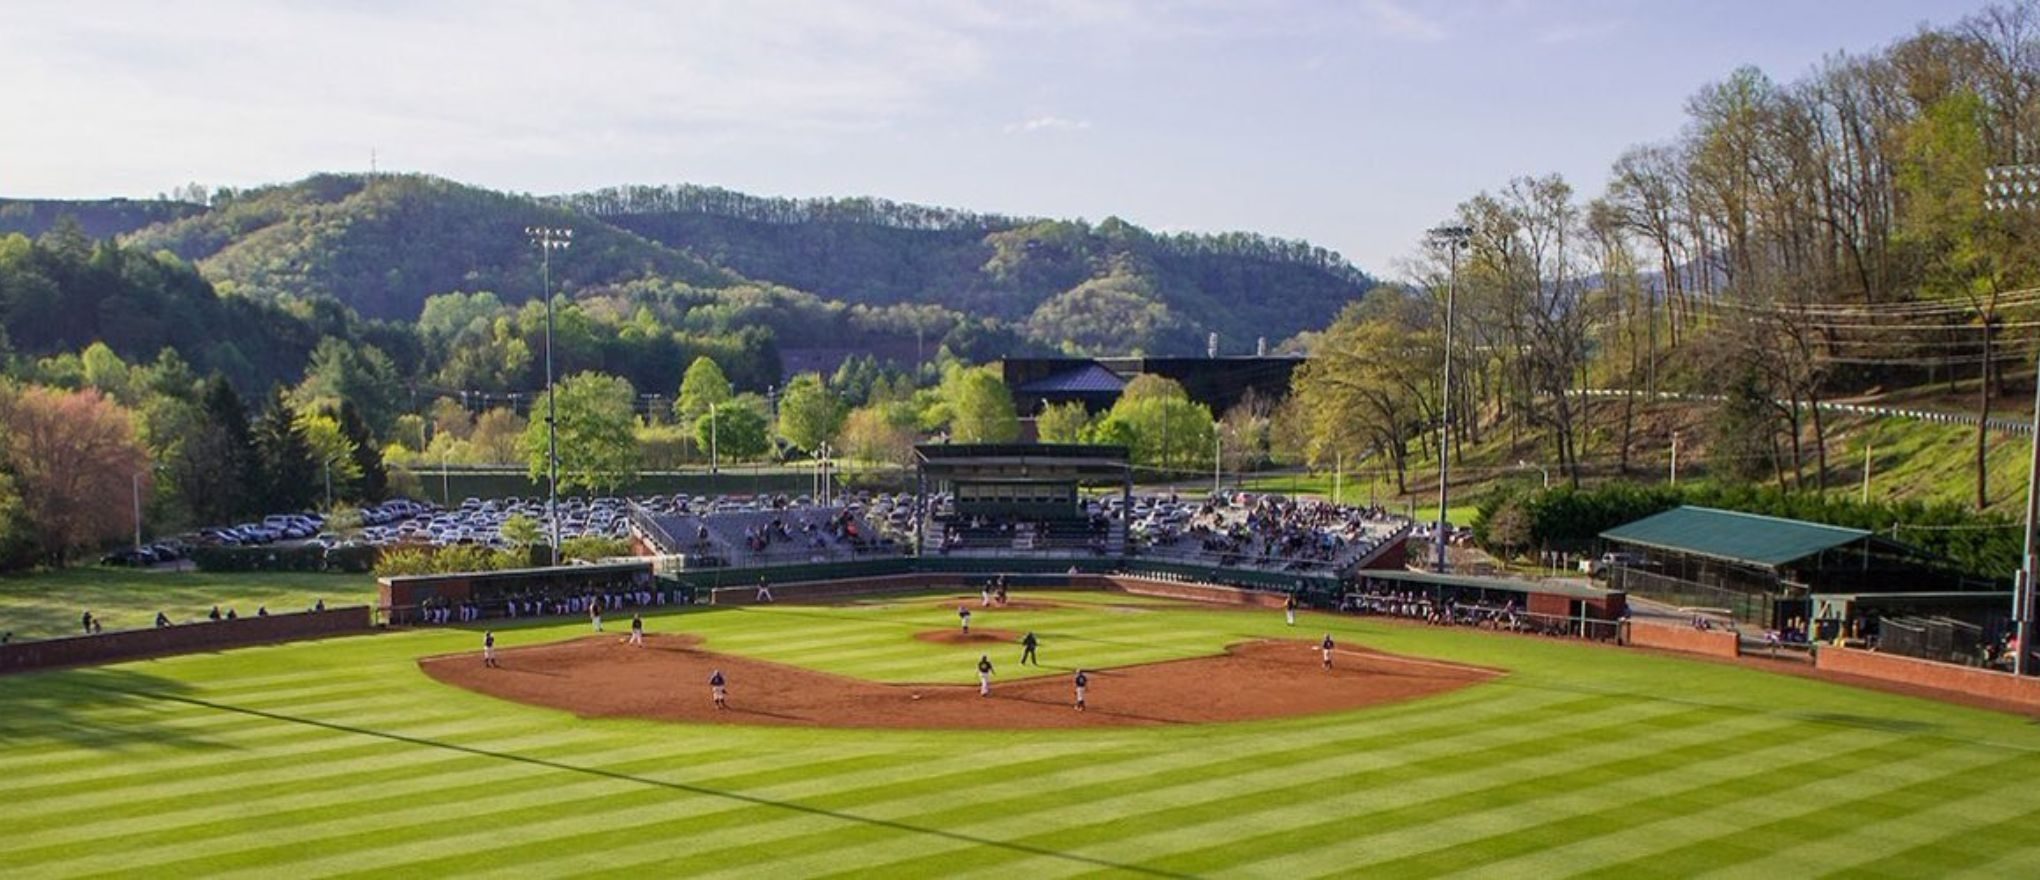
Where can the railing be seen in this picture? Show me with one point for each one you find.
(1751, 608)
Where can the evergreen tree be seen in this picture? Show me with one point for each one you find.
(291, 477)
(374, 482)
(216, 470)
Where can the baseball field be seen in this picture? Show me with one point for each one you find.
(345, 757)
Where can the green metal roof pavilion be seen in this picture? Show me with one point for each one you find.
(1730, 536)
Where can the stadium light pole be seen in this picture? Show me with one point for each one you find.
(2016, 188)
(1454, 238)
(549, 239)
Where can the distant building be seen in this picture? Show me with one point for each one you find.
(1219, 383)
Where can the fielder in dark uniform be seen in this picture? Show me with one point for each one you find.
(1083, 681)
(963, 614)
(1027, 645)
(1327, 646)
(716, 689)
(489, 648)
(984, 675)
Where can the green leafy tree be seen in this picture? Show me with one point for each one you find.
(522, 530)
(703, 386)
(331, 446)
(1062, 423)
(598, 451)
(809, 413)
(733, 430)
(978, 408)
(215, 466)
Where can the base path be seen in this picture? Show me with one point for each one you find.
(599, 676)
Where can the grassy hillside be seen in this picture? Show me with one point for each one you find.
(1910, 460)
(341, 758)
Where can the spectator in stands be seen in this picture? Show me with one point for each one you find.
(86, 621)
(215, 615)
(261, 611)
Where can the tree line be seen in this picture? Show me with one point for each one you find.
(1794, 242)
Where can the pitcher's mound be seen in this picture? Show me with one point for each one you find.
(974, 637)
(667, 679)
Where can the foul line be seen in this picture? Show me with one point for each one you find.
(676, 786)
(1440, 664)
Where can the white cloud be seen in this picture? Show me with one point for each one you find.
(1047, 123)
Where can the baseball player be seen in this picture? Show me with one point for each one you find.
(985, 597)
(1326, 646)
(1083, 681)
(1027, 646)
(717, 688)
(764, 592)
(1289, 608)
(595, 613)
(963, 613)
(984, 675)
(637, 630)
(489, 648)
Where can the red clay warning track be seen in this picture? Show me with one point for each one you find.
(667, 679)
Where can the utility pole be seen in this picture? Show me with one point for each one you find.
(1866, 472)
(1675, 458)
(547, 240)
(1453, 238)
(135, 481)
(1217, 454)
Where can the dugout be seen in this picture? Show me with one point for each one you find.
(1578, 609)
(400, 597)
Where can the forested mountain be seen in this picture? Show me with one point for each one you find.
(382, 244)
(103, 218)
(1109, 287)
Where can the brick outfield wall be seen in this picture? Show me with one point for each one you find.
(1711, 643)
(183, 638)
(1989, 684)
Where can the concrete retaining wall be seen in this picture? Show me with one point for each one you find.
(1988, 684)
(185, 638)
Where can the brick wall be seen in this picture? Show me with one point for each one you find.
(1712, 643)
(186, 638)
(1988, 684)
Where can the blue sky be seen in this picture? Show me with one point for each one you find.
(1355, 124)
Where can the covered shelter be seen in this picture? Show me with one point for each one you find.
(1765, 569)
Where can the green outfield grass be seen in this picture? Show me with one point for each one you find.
(47, 604)
(341, 758)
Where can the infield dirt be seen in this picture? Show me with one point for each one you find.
(667, 679)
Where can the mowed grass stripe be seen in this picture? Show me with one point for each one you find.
(1469, 839)
(367, 793)
(1187, 815)
(578, 794)
(525, 826)
(2003, 848)
(1061, 815)
(1930, 823)
(745, 818)
(1836, 802)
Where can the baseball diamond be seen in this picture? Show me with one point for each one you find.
(356, 756)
